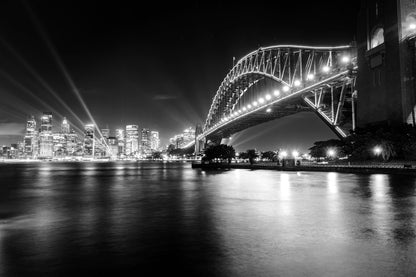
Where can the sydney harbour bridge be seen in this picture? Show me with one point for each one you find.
(277, 81)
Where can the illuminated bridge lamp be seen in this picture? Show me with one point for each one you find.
(286, 88)
(276, 93)
(235, 113)
(310, 77)
(268, 110)
(268, 97)
(261, 100)
(296, 83)
(326, 69)
(412, 26)
(255, 103)
(249, 106)
(244, 109)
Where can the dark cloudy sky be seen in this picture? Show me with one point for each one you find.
(153, 64)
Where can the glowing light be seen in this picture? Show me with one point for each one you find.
(377, 150)
(268, 97)
(331, 153)
(249, 106)
(326, 69)
(255, 103)
(261, 100)
(296, 83)
(283, 154)
(295, 154)
(286, 88)
(244, 108)
(345, 59)
(239, 111)
(268, 110)
(235, 114)
(310, 77)
(276, 92)
(412, 26)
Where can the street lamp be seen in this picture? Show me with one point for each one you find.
(283, 154)
(345, 59)
(331, 153)
(295, 154)
(377, 150)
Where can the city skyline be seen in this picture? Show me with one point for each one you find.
(109, 74)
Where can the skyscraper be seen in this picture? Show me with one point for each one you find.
(89, 141)
(45, 136)
(132, 140)
(154, 140)
(30, 139)
(121, 141)
(65, 126)
(145, 145)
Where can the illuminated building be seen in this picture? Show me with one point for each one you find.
(121, 141)
(59, 145)
(154, 140)
(45, 136)
(73, 145)
(65, 126)
(89, 141)
(145, 142)
(31, 139)
(105, 133)
(132, 140)
(113, 147)
(181, 140)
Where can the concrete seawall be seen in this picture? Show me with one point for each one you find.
(362, 169)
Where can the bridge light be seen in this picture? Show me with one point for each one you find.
(276, 92)
(244, 109)
(268, 110)
(239, 111)
(345, 59)
(255, 103)
(249, 106)
(268, 97)
(261, 100)
(235, 113)
(412, 26)
(295, 154)
(296, 83)
(310, 77)
(286, 88)
(283, 154)
(326, 69)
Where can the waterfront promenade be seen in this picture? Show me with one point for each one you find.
(407, 168)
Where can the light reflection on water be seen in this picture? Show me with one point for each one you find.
(93, 218)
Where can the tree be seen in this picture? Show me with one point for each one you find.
(269, 155)
(320, 148)
(157, 155)
(222, 152)
(251, 155)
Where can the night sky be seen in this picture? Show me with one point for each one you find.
(156, 65)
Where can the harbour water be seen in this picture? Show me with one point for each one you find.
(73, 219)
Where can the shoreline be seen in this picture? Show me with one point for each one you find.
(359, 169)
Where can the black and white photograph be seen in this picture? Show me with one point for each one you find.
(207, 138)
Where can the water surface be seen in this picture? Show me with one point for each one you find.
(72, 219)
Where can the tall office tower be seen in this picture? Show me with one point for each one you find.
(89, 141)
(65, 126)
(145, 142)
(59, 144)
(113, 147)
(45, 136)
(121, 141)
(72, 141)
(132, 140)
(30, 139)
(46, 122)
(154, 140)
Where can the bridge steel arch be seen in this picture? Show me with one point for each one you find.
(281, 80)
